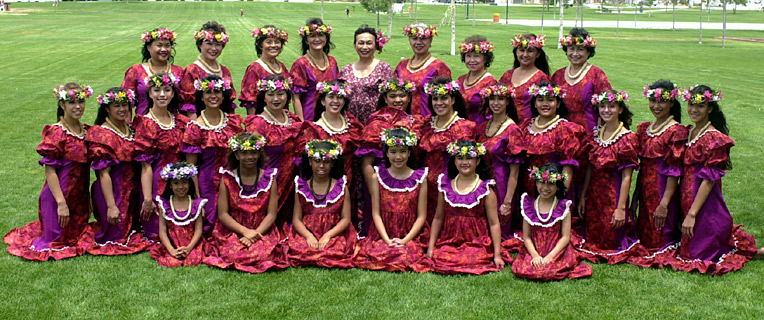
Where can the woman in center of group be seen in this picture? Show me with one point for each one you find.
(269, 43)
(422, 68)
(366, 74)
(477, 55)
(531, 66)
(314, 66)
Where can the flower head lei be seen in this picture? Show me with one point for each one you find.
(211, 36)
(315, 153)
(271, 32)
(206, 85)
(475, 151)
(158, 34)
(315, 29)
(495, 90)
(570, 40)
(534, 42)
(178, 170)
(272, 85)
(703, 97)
(610, 97)
(548, 177)
(72, 95)
(548, 90)
(420, 30)
(118, 97)
(661, 94)
(167, 80)
(251, 144)
(407, 141)
(340, 89)
(381, 40)
(441, 89)
(482, 47)
(397, 84)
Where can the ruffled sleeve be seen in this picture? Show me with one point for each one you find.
(371, 144)
(131, 80)
(187, 91)
(192, 138)
(145, 135)
(514, 150)
(571, 145)
(249, 92)
(628, 152)
(52, 146)
(717, 155)
(100, 149)
(442, 69)
(299, 76)
(676, 138)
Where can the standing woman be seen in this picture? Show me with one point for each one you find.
(205, 140)
(314, 66)
(422, 67)
(477, 55)
(269, 43)
(210, 41)
(581, 79)
(111, 147)
(531, 66)
(366, 74)
(158, 56)
(62, 230)
(503, 141)
(609, 232)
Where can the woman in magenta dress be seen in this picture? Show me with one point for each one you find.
(116, 207)
(246, 237)
(503, 141)
(531, 66)
(62, 230)
(422, 68)
(180, 230)
(660, 164)
(282, 130)
(366, 74)
(477, 55)
(548, 252)
(158, 56)
(321, 233)
(447, 124)
(314, 66)
(399, 205)
(205, 140)
(609, 230)
(210, 41)
(581, 79)
(269, 43)
(465, 235)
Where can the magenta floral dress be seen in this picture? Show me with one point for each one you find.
(363, 101)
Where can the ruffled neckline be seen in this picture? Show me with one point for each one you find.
(434, 128)
(216, 129)
(396, 185)
(129, 127)
(263, 184)
(691, 142)
(550, 127)
(469, 200)
(161, 125)
(336, 193)
(275, 123)
(196, 210)
(528, 210)
(653, 135)
(63, 128)
(607, 143)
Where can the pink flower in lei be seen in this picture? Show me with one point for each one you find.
(578, 41)
(212, 85)
(495, 90)
(441, 89)
(482, 47)
(534, 42)
(271, 32)
(704, 97)
(610, 97)
(211, 36)
(381, 40)
(548, 90)
(168, 80)
(160, 34)
(72, 95)
(119, 97)
(420, 30)
(661, 94)
(314, 29)
(273, 85)
(343, 90)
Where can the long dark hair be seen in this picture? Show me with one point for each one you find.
(476, 40)
(338, 165)
(260, 106)
(259, 41)
(213, 26)
(174, 104)
(542, 61)
(103, 111)
(68, 87)
(562, 109)
(382, 103)
(580, 32)
(233, 163)
(483, 170)
(399, 133)
(716, 117)
(676, 106)
(459, 105)
(327, 47)
(510, 109)
(168, 188)
(226, 106)
(147, 55)
(626, 115)
(320, 107)
(554, 167)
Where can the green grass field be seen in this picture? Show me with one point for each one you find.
(94, 43)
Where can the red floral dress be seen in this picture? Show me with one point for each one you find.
(578, 96)
(256, 71)
(192, 73)
(472, 96)
(180, 231)
(420, 77)
(305, 76)
(520, 95)
(135, 79)
(363, 101)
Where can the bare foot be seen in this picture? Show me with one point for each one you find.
(760, 253)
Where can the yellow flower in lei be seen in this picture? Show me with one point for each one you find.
(466, 151)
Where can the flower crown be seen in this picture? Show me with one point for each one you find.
(466, 151)
(251, 144)
(271, 32)
(534, 42)
(441, 89)
(548, 177)
(381, 40)
(397, 84)
(178, 170)
(167, 80)
(703, 97)
(72, 95)
(661, 94)
(160, 34)
(272, 85)
(548, 90)
(315, 29)
(323, 154)
(118, 97)
(419, 30)
(482, 47)
(342, 90)
(211, 36)
(570, 40)
(408, 141)
(495, 90)
(610, 97)
(206, 85)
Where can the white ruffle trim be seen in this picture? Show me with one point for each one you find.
(550, 127)
(84, 131)
(223, 170)
(605, 144)
(187, 220)
(216, 129)
(132, 132)
(332, 133)
(653, 135)
(581, 248)
(691, 142)
(126, 244)
(488, 183)
(540, 224)
(278, 124)
(432, 124)
(162, 126)
(343, 180)
(418, 181)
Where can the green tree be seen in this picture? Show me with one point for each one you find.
(376, 5)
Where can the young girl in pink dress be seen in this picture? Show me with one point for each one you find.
(531, 66)
(180, 223)
(62, 230)
(422, 68)
(548, 252)
(477, 55)
(314, 66)
(269, 43)
(399, 204)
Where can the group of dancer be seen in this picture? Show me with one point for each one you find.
(382, 169)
